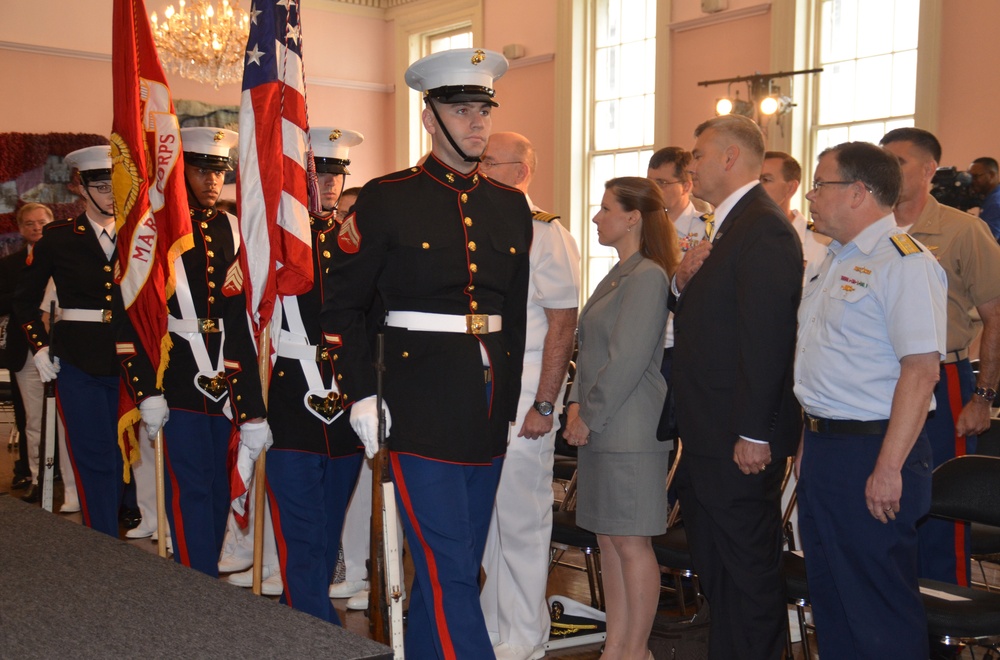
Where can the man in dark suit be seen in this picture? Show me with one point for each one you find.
(735, 300)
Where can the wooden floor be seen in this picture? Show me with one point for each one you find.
(562, 580)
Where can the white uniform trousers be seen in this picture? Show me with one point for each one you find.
(144, 473)
(239, 542)
(357, 527)
(33, 394)
(517, 547)
(356, 536)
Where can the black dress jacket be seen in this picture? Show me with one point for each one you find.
(432, 239)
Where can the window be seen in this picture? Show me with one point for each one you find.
(623, 113)
(868, 51)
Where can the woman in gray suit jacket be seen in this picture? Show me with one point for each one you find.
(615, 406)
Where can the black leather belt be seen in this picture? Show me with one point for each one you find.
(846, 426)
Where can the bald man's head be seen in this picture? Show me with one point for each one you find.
(510, 159)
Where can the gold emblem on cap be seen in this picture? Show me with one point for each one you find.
(335, 135)
(478, 57)
(218, 136)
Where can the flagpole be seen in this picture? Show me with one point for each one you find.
(264, 365)
(162, 527)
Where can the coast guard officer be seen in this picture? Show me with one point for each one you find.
(78, 255)
(313, 465)
(212, 380)
(871, 331)
(447, 251)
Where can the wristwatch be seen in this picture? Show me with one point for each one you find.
(987, 393)
(544, 408)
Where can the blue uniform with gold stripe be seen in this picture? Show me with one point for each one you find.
(313, 466)
(432, 239)
(197, 435)
(70, 253)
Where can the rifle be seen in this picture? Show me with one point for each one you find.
(385, 606)
(48, 449)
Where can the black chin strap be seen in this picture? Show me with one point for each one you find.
(451, 140)
(108, 214)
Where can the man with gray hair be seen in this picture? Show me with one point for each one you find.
(872, 330)
(735, 297)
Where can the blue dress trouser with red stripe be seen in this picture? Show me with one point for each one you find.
(308, 494)
(446, 510)
(862, 573)
(196, 483)
(89, 409)
(944, 544)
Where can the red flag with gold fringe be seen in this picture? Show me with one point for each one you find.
(151, 209)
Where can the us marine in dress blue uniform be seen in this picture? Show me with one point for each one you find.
(212, 380)
(78, 254)
(314, 463)
(447, 250)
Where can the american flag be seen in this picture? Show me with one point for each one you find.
(276, 173)
(151, 208)
(274, 159)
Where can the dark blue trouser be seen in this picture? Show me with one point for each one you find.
(446, 510)
(197, 486)
(862, 573)
(944, 544)
(88, 406)
(308, 494)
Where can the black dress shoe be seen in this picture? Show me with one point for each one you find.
(130, 518)
(34, 495)
(20, 483)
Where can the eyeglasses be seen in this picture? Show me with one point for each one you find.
(489, 162)
(819, 184)
(664, 182)
(103, 188)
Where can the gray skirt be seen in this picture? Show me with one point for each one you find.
(622, 494)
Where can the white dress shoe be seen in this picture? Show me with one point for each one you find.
(271, 584)
(347, 588)
(139, 532)
(71, 505)
(507, 651)
(358, 601)
(231, 563)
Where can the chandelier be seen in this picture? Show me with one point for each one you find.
(203, 43)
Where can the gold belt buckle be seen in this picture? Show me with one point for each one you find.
(105, 316)
(327, 406)
(477, 324)
(813, 424)
(322, 354)
(214, 386)
(207, 326)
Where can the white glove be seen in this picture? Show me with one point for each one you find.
(155, 414)
(364, 421)
(48, 367)
(256, 437)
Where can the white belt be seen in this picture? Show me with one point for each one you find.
(194, 326)
(86, 315)
(469, 324)
(309, 352)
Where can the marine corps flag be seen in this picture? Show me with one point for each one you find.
(151, 210)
